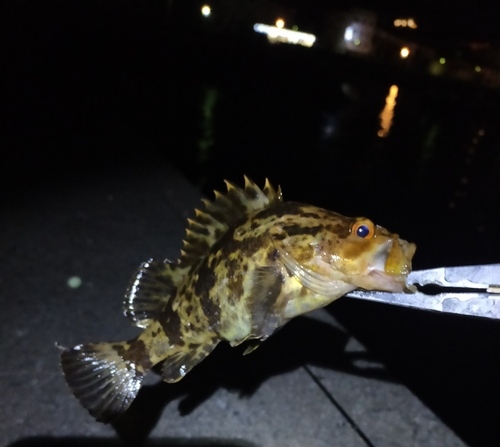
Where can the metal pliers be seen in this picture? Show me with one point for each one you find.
(467, 290)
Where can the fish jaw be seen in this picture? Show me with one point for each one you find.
(398, 261)
(378, 280)
(390, 268)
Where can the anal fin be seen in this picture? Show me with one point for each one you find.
(151, 287)
(179, 364)
(252, 345)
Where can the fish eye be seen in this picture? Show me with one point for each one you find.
(364, 229)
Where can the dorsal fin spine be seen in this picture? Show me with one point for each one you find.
(269, 191)
(236, 193)
(221, 213)
(206, 219)
(195, 237)
(279, 195)
(227, 202)
(197, 228)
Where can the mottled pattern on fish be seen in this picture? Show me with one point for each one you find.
(249, 264)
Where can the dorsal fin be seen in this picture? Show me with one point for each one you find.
(220, 214)
(151, 287)
(156, 282)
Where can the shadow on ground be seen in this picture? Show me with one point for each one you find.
(302, 341)
(442, 358)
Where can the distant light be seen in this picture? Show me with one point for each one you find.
(206, 11)
(405, 52)
(412, 24)
(74, 282)
(280, 23)
(478, 68)
(349, 33)
(442, 60)
(275, 34)
(357, 42)
(295, 27)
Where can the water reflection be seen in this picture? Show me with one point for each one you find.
(388, 112)
(207, 135)
(469, 178)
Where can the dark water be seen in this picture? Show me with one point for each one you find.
(86, 101)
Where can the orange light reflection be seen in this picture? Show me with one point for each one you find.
(388, 112)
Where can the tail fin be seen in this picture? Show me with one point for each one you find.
(104, 377)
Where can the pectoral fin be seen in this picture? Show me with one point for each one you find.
(264, 305)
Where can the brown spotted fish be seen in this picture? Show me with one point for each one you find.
(250, 263)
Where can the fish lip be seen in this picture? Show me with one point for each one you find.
(381, 281)
(388, 282)
(394, 258)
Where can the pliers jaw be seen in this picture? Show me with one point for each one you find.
(472, 290)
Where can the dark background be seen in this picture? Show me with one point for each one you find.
(95, 89)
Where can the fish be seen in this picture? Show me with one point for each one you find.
(250, 263)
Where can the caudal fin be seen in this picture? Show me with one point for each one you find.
(103, 377)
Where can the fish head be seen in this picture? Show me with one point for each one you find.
(370, 257)
(334, 252)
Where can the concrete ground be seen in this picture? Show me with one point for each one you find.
(312, 384)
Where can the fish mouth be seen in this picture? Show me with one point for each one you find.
(378, 280)
(399, 258)
(390, 267)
